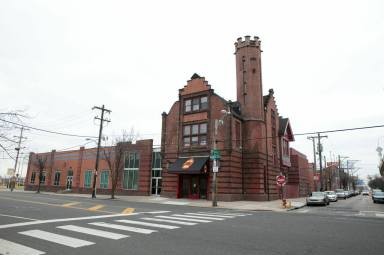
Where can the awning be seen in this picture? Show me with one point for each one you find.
(191, 165)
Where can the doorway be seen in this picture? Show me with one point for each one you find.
(156, 186)
(193, 186)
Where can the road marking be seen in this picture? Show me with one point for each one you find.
(7, 247)
(197, 217)
(70, 204)
(125, 228)
(379, 214)
(229, 214)
(93, 232)
(147, 224)
(171, 221)
(17, 217)
(183, 219)
(55, 205)
(175, 203)
(95, 208)
(128, 210)
(158, 212)
(55, 238)
(212, 215)
(303, 211)
(29, 223)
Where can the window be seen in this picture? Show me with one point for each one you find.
(195, 134)
(187, 107)
(156, 164)
(42, 178)
(57, 179)
(87, 179)
(196, 104)
(33, 177)
(204, 103)
(104, 179)
(285, 148)
(273, 124)
(131, 169)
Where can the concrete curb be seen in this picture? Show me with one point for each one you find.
(296, 207)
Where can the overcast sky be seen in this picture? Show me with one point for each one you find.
(324, 60)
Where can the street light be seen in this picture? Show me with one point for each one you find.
(216, 156)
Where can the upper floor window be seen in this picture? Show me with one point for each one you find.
(196, 104)
(195, 134)
(285, 148)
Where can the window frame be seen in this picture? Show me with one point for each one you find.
(57, 182)
(33, 177)
(132, 171)
(86, 185)
(190, 103)
(104, 185)
(42, 180)
(189, 140)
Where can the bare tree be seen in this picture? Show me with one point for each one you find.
(40, 163)
(114, 155)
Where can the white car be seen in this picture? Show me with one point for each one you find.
(331, 196)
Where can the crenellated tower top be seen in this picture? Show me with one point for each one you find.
(248, 42)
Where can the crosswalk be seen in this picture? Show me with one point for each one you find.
(346, 213)
(114, 229)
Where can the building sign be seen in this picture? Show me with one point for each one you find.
(187, 164)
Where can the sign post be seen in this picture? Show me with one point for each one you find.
(280, 180)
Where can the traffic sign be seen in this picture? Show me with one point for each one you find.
(215, 154)
(280, 179)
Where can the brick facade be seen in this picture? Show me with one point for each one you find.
(249, 138)
(75, 163)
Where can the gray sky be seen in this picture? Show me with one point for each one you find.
(324, 60)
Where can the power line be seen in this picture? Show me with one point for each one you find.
(48, 131)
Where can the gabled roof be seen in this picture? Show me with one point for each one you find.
(285, 128)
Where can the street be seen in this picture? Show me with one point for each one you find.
(50, 224)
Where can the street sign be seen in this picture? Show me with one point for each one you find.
(280, 179)
(215, 169)
(215, 154)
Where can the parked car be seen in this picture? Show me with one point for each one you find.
(341, 194)
(365, 192)
(375, 190)
(378, 197)
(318, 198)
(331, 196)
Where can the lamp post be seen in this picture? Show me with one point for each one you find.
(216, 156)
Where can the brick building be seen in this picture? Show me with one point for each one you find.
(300, 176)
(73, 171)
(253, 139)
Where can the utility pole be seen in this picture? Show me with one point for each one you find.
(314, 151)
(102, 109)
(338, 172)
(18, 148)
(320, 149)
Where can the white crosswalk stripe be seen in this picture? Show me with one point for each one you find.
(212, 215)
(183, 219)
(122, 227)
(93, 232)
(197, 217)
(171, 221)
(55, 238)
(148, 224)
(380, 215)
(11, 248)
(229, 214)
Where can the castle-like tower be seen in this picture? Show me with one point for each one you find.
(248, 72)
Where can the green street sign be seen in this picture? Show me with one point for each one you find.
(215, 154)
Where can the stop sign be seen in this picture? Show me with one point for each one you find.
(280, 179)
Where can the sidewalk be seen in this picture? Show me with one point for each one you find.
(275, 205)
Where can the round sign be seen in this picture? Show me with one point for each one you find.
(280, 179)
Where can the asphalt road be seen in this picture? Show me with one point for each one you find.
(49, 224)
